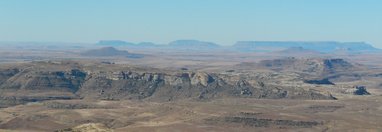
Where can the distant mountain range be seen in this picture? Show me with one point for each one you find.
(178, 44)
(329, 46)
(252, 46)
(197, 45)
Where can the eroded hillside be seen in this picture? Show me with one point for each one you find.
(70, 80)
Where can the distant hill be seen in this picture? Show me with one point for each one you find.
(297, 51)
(114, 43)
(106, 51)
(120, 43)
(329, 46)
(147, 44)
(193, 44)
(178, 44)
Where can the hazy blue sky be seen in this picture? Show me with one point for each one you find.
(221, 21)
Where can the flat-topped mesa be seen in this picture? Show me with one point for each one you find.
(105, 51)
(192, 45)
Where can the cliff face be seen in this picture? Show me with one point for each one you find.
(29, 85)
(183, 85)
(45, 80)
(7, 73)
(112, 84)
(336, 65)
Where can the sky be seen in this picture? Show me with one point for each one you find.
(162, 21)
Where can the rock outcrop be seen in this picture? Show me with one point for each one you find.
(89, 127)
(360, 90)
(320, 82)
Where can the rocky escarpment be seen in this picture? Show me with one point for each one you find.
(46, 80)
(115, 83)
(182, 85)
(141, 85)
(337, 65)
(33, 85)
(7, 73)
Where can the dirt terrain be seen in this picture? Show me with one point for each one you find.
(229, 114)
